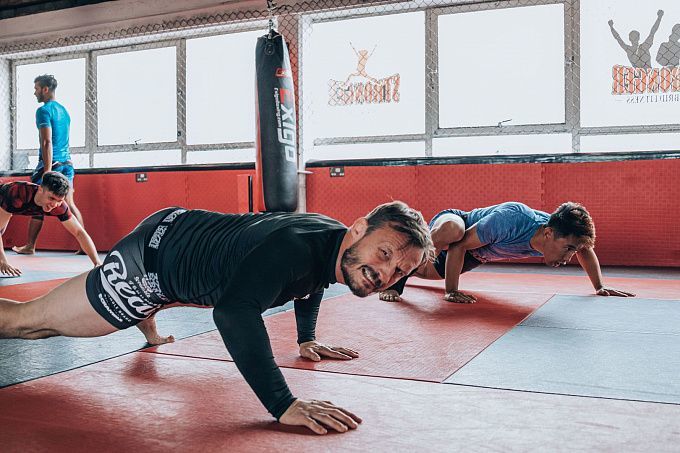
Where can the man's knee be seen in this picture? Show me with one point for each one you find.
(449, 231)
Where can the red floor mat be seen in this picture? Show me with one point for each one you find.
(154, 403)
(425, 339)
(28, 291)
(645, 288)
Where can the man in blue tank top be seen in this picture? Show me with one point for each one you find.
(511, 230)
(53, 123)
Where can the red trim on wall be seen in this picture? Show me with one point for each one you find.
(634, 203)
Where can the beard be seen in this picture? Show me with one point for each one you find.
(354, 280)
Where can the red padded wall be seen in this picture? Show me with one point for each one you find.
(113, 204)
(634, 203)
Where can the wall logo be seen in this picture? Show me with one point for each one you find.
(641, 82)
(361, 88)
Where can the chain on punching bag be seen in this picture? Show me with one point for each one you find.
(276, 137)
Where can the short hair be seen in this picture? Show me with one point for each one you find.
(46, 81)
(405, 220)
(572, 219)
(56, 183)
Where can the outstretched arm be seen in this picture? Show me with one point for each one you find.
(352, 46)
(306, 312)
(455, 257)
(238, 317)
(616, 35)
(589, 262)
(84, 240)
(655, 28)
(5, 267)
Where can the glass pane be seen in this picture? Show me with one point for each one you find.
(221, 88)
(367, 151)
(221, 156)
(80, 161)
(136, 97)
(138, 158)
(499, 65)
(365, 77)
(502, 145)
(630, 142)
(70, 93)
(630, 70)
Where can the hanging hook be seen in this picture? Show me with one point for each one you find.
(271, 7)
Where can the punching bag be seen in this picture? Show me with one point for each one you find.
(276, 187)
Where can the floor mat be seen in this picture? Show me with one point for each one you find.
(424, 338)
(611, 348)
(647, 288)
(153, 402)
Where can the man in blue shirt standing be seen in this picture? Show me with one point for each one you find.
(53, 122)
(511, 230)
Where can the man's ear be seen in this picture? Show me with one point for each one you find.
(358, 228)
(548, 232)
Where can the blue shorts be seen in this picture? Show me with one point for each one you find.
(65, 168)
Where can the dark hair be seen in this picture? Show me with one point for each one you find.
(46, 81)
(56, 183)
(407, 221)
(572, 219)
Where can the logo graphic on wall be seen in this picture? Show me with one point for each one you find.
(361, 88)
(640, 81)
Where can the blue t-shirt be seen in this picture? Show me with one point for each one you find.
(506, 229)
(52, 114)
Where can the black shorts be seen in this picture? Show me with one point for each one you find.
(125, 289)
(469, 263)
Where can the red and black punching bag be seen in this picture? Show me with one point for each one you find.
(276, 137)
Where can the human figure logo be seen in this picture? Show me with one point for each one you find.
(359, 87)
(641, 82)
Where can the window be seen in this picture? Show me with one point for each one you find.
(138, 158)
(221, 88)
(630, 142)
(221, 156)
(504, 65)
(625, 85)
(70, 92)
(501, 145)
(365, 77)
(367, 151)
(137, 97)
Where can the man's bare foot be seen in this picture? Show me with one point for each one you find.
(148, 328)
(24, 250)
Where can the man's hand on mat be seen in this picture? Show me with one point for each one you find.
(459, 297)
(389, 295)
(613, 292)
(313, 350)
(8, 269)
(319, 415)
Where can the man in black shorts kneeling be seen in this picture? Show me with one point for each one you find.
(240, 264)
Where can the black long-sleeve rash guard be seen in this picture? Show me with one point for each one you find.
(243, 264)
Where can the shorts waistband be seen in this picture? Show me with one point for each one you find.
(151, 248)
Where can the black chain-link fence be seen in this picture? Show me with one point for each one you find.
(424, 78)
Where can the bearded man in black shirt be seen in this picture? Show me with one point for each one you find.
(240, 264)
